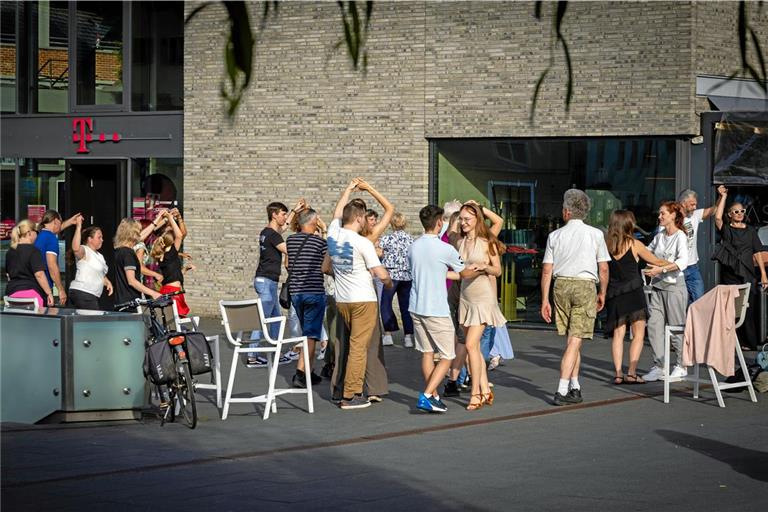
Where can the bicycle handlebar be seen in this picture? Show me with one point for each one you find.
(160, 302)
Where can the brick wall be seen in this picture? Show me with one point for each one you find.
(53, 62)
(437, 69)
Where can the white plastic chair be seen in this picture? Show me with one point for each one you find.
(248, 315)
(742, 303)
(18, 302)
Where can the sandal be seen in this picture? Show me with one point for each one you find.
(618, 380)
(488, 398)
(475, 406)
(634, 379)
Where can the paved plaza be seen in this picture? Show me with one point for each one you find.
(623, 449)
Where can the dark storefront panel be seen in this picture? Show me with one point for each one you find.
(741, 148)
(523, 180)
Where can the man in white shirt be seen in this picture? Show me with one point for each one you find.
(577, 257)
(693, 217)
(352, 259)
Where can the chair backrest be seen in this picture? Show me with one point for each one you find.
(18, 302)
(742, 303)
(239, 316)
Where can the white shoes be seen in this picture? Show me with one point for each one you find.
(678, 371)
(494, 363)
(408, 341)
(655, 374)
(386, 340)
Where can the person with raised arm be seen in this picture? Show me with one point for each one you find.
(91, 277)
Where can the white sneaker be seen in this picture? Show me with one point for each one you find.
(386, 340)
(655, 374)
(678, 371)
(292, 355)
(408, 341)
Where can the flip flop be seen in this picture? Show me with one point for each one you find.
(634, 379)
(618, 381)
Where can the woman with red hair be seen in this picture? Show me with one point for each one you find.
(668, 299)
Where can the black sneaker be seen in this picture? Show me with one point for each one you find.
(467, 384)
(575, 394)
(315, 378)
(327, 371)
(299, 380)
(451, 389)
(356, 402)
(568, 399)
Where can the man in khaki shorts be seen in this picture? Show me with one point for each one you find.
(432, 261)
(577, 256)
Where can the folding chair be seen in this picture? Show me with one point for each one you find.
(742, 303)
(248, 315)
(17, 302)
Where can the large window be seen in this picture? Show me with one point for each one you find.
(158, 56)
(8, 56)
(524, 179)
(156, 183)
(50, 24)
(99, 53)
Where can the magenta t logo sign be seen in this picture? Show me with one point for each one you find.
(82, 128)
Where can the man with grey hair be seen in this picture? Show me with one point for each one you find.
(693, 217)
(577, 257)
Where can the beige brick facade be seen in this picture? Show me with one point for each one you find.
(436, 69)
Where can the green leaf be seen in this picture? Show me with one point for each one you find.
(569, 84)
(195, 11)
(539, 82)
(241, 37)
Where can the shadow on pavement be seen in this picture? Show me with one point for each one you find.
(752, 463)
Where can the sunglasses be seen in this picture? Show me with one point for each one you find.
(738, 211)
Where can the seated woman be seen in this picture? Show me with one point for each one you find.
(738, 251)
(91, 277)
(25, 267)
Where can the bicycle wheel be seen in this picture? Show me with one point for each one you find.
(185, 395)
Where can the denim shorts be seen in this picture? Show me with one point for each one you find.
(310, 308)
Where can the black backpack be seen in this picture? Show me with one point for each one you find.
(198, 353)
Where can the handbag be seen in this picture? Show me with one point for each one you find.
(762, 357)
(285, 294)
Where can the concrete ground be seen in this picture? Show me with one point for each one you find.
(623, 449)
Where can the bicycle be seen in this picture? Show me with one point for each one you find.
(180, 392)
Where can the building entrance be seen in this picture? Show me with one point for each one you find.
(96, 189)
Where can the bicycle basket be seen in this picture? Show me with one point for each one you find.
(198, 353)
(159, 364)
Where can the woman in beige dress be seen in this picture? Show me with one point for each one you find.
(478, 306)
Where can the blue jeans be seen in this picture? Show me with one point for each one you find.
(486, 344)
(388, 318)
(694, 283)
(310, 308)
(266, 289)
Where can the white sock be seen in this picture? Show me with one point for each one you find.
(562, 387)
(575, 383)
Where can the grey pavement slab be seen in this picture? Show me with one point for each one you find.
(624, 450)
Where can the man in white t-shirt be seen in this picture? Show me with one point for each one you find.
(352, 259)
(577, 257)
(693, 217)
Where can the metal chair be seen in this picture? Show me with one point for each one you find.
(18, 302)
(742, 303)
(248, 315)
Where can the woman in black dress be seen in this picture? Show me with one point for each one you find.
(738, 252)
(625, 300)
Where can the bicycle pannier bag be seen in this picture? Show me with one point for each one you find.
(198, 353)
(159, 366)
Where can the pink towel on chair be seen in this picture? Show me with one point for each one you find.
(710, 333)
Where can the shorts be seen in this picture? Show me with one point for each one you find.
(457, 327)
(434, 334)
(181, 304)
(575, 307)
(310, 308)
